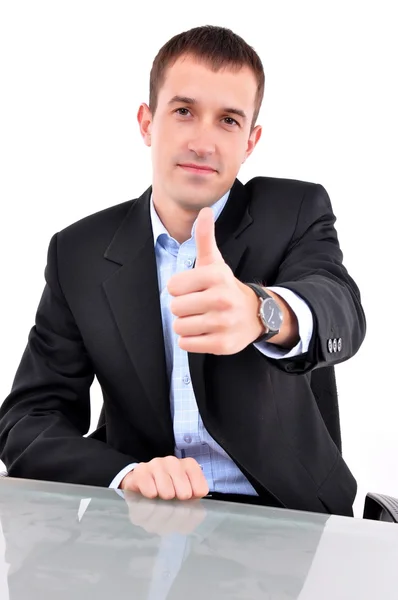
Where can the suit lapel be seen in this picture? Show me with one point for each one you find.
(133, 296)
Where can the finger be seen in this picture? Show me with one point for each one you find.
(181, 482)
(196, 280)
(208, 343)
(191, 326)
(196, 303)
(207, 251)
(145, 484)
(198, 481)
(175, 468)
(212, 322)
(164, 483)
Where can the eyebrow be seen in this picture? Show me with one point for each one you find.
(188, 100)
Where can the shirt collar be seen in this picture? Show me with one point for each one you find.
(158, 228)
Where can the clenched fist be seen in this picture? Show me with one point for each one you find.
(167, 478)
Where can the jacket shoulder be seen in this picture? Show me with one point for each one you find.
(101, 221)
(80, 243)
(277, 195)
(279, 185)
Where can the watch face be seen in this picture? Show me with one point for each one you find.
(271, 314)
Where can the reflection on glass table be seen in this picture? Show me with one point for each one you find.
(67, 541)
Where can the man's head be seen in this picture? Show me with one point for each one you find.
(206, 88)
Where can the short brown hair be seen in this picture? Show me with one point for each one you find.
(218, 47)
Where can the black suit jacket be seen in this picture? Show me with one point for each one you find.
(100, 315)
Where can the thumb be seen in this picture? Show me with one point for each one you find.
(207, 252)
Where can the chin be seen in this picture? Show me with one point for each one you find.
(192, 194)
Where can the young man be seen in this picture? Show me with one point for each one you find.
(210, 383)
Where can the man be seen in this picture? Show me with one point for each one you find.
(209, 381)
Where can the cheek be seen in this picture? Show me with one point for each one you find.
(233, 156)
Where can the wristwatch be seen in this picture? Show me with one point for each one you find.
(269, 313)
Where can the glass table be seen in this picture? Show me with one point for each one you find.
(77, 542)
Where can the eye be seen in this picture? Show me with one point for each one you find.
(178, 110)
(231, 121)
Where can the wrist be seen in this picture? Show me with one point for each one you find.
(127, 481)
(256, 326)
(288, 336)
(269, 313)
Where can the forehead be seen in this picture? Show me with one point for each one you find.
(194, 78)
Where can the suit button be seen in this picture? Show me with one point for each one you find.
(339, 344)
(330, 345)
(334, 345)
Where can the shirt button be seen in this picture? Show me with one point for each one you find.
(186, 379)
(188, 262)
(187, 439)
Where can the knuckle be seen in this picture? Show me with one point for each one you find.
(221, 300)
(140, 470)
(201, 490)
(150, 493)
(205, 490)
(190, 463)
(155, 462)
(170, 460)
(167, 494)
(185, 494)
(192, 467)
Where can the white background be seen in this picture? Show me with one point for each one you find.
(72, 77)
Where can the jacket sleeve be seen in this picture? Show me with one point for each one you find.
(44, 419)
(313, 269)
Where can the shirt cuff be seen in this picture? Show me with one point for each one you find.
(305, 324)
(117, 480)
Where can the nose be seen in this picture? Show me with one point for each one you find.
(202, 143)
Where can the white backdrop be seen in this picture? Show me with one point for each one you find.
(72, 77)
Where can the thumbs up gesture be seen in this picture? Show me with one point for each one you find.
(216, 313)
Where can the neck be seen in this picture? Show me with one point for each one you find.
(177, 220)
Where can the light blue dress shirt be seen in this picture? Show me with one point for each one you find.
(191, 437)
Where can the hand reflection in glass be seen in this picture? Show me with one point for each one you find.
(163, 517)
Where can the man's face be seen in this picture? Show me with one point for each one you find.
(202, 120)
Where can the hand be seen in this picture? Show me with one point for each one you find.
(163, 518)
(167, 478)
(216, 313)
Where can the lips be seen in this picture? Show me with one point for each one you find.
(201, 170)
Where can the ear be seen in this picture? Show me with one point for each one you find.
(253, 141)
(144, 118)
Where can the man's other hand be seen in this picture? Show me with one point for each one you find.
(167, 478)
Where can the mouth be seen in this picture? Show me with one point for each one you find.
(197, 169)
